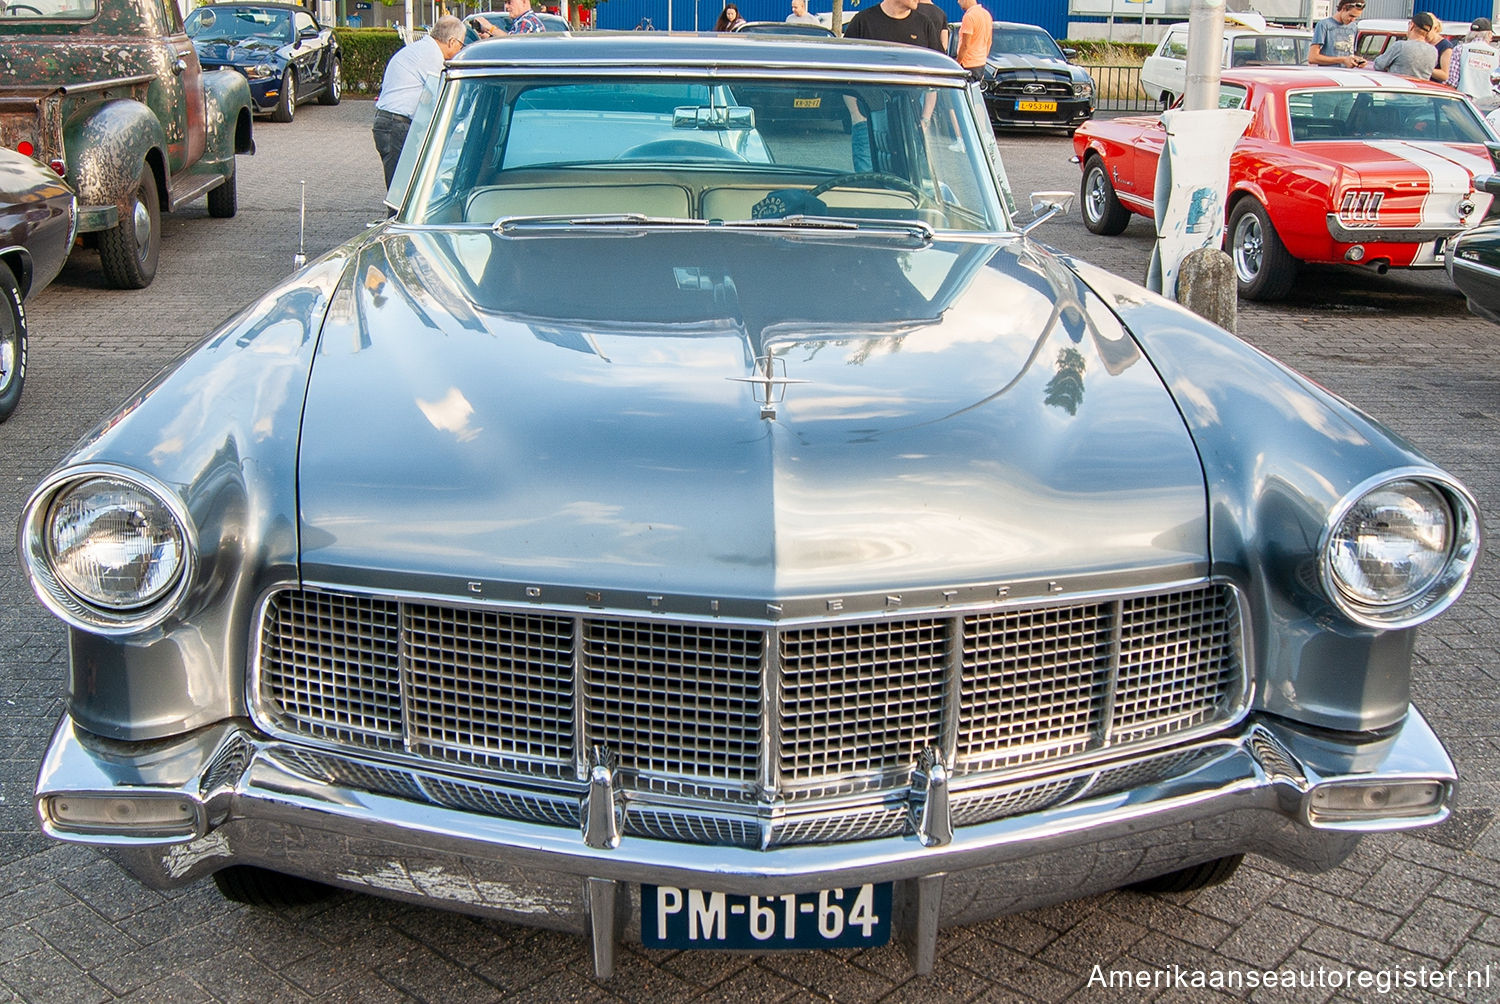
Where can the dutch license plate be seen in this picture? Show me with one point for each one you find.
(857, 917)
(1036, 106)
(807, 102)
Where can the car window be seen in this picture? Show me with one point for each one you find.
(305, 21)
(1023, 42)
(63, 10)
(1346, 114)
(1232, 96)
(1373, 45)
(1174, 46)
(1268, 50)
(239, 25)
(702, 149)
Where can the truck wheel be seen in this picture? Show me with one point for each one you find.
(224, 201)
(287, 106)
(129, 250)
(1188, 879)
(12, 344)
(261, 887)
(1262, 267)
(1102, 212)
(335, 89)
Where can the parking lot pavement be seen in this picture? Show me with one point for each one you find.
(1412, 908)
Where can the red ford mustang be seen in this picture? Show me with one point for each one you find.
(1338, 166)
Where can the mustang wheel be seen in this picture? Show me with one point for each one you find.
(128, 251)
(335, 89)
(1262, 267)
(1188, 879)
(1102, 212)
(12, 344)
(287, 106)
(260, 887)
(224, 201)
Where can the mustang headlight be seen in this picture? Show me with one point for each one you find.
(107, 551)
(1083, 89)
(260, 71)
(1398, 551)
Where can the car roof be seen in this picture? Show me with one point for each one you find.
(255, 3)
(623, 49)
(1271, 28)
(1398, 26)
(1288, 77)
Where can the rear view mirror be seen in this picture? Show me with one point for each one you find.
(717, 117)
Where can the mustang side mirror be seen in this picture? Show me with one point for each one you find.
(1044, 206)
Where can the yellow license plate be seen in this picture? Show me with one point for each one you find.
(1036, 106)
(807, 102)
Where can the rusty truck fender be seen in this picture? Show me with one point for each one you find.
(116, 141)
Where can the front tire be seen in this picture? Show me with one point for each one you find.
(1263, 269)
(261, 887)
(12, 344)
(334, 92)
(224, 201)
(1190, 879)
(128, 251)
(286, 107)
(1102, 212)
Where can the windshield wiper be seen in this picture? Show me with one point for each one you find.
(913, 228)
(510, 224)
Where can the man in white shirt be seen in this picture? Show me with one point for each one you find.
(799, 14)
(401, 88)
(1474, 61)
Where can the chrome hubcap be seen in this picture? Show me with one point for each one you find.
(1096, 195)
(7, 361)
(141, 220)
(1248, 248)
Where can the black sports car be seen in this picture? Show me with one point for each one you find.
(1031, 83)
(286, 55)
(38, 220)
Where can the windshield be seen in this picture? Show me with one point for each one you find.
(239, 24)
(1024, 42)
(1268, 50)
(1338, 113)
(683, 149)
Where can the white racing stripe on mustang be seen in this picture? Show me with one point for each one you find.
(1447, 179)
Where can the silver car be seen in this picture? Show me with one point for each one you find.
(680, 531)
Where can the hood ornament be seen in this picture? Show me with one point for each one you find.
(770, 383)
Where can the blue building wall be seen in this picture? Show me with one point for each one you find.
(627, 14)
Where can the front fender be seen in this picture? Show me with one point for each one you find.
(1279, 454)
(108, 145)
(227, 111)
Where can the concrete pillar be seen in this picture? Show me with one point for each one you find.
(1206, 286)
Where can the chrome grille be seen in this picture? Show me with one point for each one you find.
(1010, 697)
(674, 699)
(861, 697)
(1014, 87)
(1034, 683)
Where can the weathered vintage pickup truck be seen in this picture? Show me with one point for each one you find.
(111, 94)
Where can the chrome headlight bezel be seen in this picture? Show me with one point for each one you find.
(1424, 598)
(73, 605)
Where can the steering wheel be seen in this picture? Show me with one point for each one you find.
(670, 149)
(10, 9)
(874, 179)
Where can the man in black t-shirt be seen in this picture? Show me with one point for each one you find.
(896, 21)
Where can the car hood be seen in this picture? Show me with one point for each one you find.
(250, 51)
(1008, 64)
(719, 413)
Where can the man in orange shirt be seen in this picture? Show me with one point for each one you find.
(974, 35)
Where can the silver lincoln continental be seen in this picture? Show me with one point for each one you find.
(704, 528)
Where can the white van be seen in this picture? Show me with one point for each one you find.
(1248, 41)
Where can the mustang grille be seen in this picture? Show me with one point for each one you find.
(1014, 87)
(688, 709)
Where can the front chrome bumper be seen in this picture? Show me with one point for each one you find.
(1252, 790)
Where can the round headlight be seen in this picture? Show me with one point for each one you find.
(107, 551)
(113, 544)
(1398, 552)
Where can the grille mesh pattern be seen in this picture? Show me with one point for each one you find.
(675, 699)
(1178, 662)
(330, 667)
(489, 688)
(861, 697)
(1033, 684)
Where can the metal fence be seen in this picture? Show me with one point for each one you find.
(1119, 89)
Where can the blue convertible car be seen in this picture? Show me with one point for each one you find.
(285, 54)
(679, 532)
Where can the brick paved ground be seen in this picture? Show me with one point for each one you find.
(73, 928)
